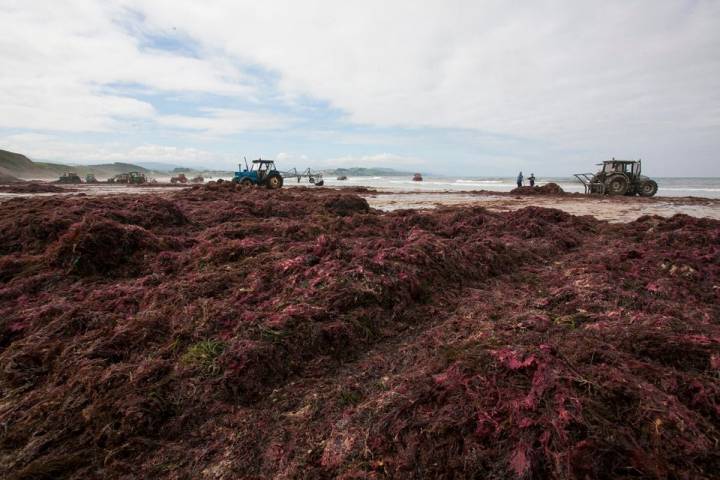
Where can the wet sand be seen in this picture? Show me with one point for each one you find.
(613, 209)
(101, 189)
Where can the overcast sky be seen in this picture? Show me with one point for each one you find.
(457, 87)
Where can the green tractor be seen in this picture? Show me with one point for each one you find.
(69, 177)
(619, 177)
(131, 178)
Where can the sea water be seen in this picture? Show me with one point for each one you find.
(675, 187)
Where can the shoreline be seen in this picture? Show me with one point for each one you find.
(612, 209)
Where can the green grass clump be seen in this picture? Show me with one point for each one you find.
(349, 397)
(203, 356)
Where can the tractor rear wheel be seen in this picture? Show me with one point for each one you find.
(274, 182)
(246, 182)
(617, 185)
(648, 188)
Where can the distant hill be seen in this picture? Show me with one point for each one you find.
(163, 167)
(18, 165)
(365, 172)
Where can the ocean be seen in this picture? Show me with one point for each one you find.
(670, 187)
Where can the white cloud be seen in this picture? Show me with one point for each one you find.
(287, 160)
(385, 160)
(60, 57)
(217, 121)
(626, 78)
(584, 74)
(290, 157)
(42, 147)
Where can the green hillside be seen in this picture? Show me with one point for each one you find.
(365, 172)
(18, 165)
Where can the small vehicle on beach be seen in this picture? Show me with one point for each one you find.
(69, 177)
(262, 173)
(90, 178)
(130, 178)
(619, 177)
(180, 178)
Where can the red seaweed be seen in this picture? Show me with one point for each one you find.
(244, 333)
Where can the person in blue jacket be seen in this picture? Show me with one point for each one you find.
(520, 180)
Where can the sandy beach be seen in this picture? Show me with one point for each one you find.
(612, 209)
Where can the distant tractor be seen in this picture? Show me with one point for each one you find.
(69, 177)
(179, 178)
(90, 178)
(619, 177)
(130, 178)
(262, 173)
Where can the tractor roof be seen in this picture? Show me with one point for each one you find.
(259, 160)
(621, 161)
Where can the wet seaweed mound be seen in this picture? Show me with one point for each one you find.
(7, 179)
(221, 332)
(547, 189)
(31, 187)
(103, 247)
(346, 204)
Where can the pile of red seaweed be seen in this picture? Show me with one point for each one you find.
(219, 332)
(6, 179)
(547, 189)
(33, 187)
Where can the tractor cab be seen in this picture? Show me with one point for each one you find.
(631, 168)
(136, 177)
(69, 177)
(260, 172)
(264, 167)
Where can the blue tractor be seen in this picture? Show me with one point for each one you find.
(262, 172)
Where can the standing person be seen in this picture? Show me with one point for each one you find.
(519, 180)
(531, 179)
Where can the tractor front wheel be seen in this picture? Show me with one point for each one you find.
(246, 182)
(274, 182)
(648, 188)
(617, 185)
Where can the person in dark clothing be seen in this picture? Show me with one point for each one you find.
(531, 179)
(520, 180)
